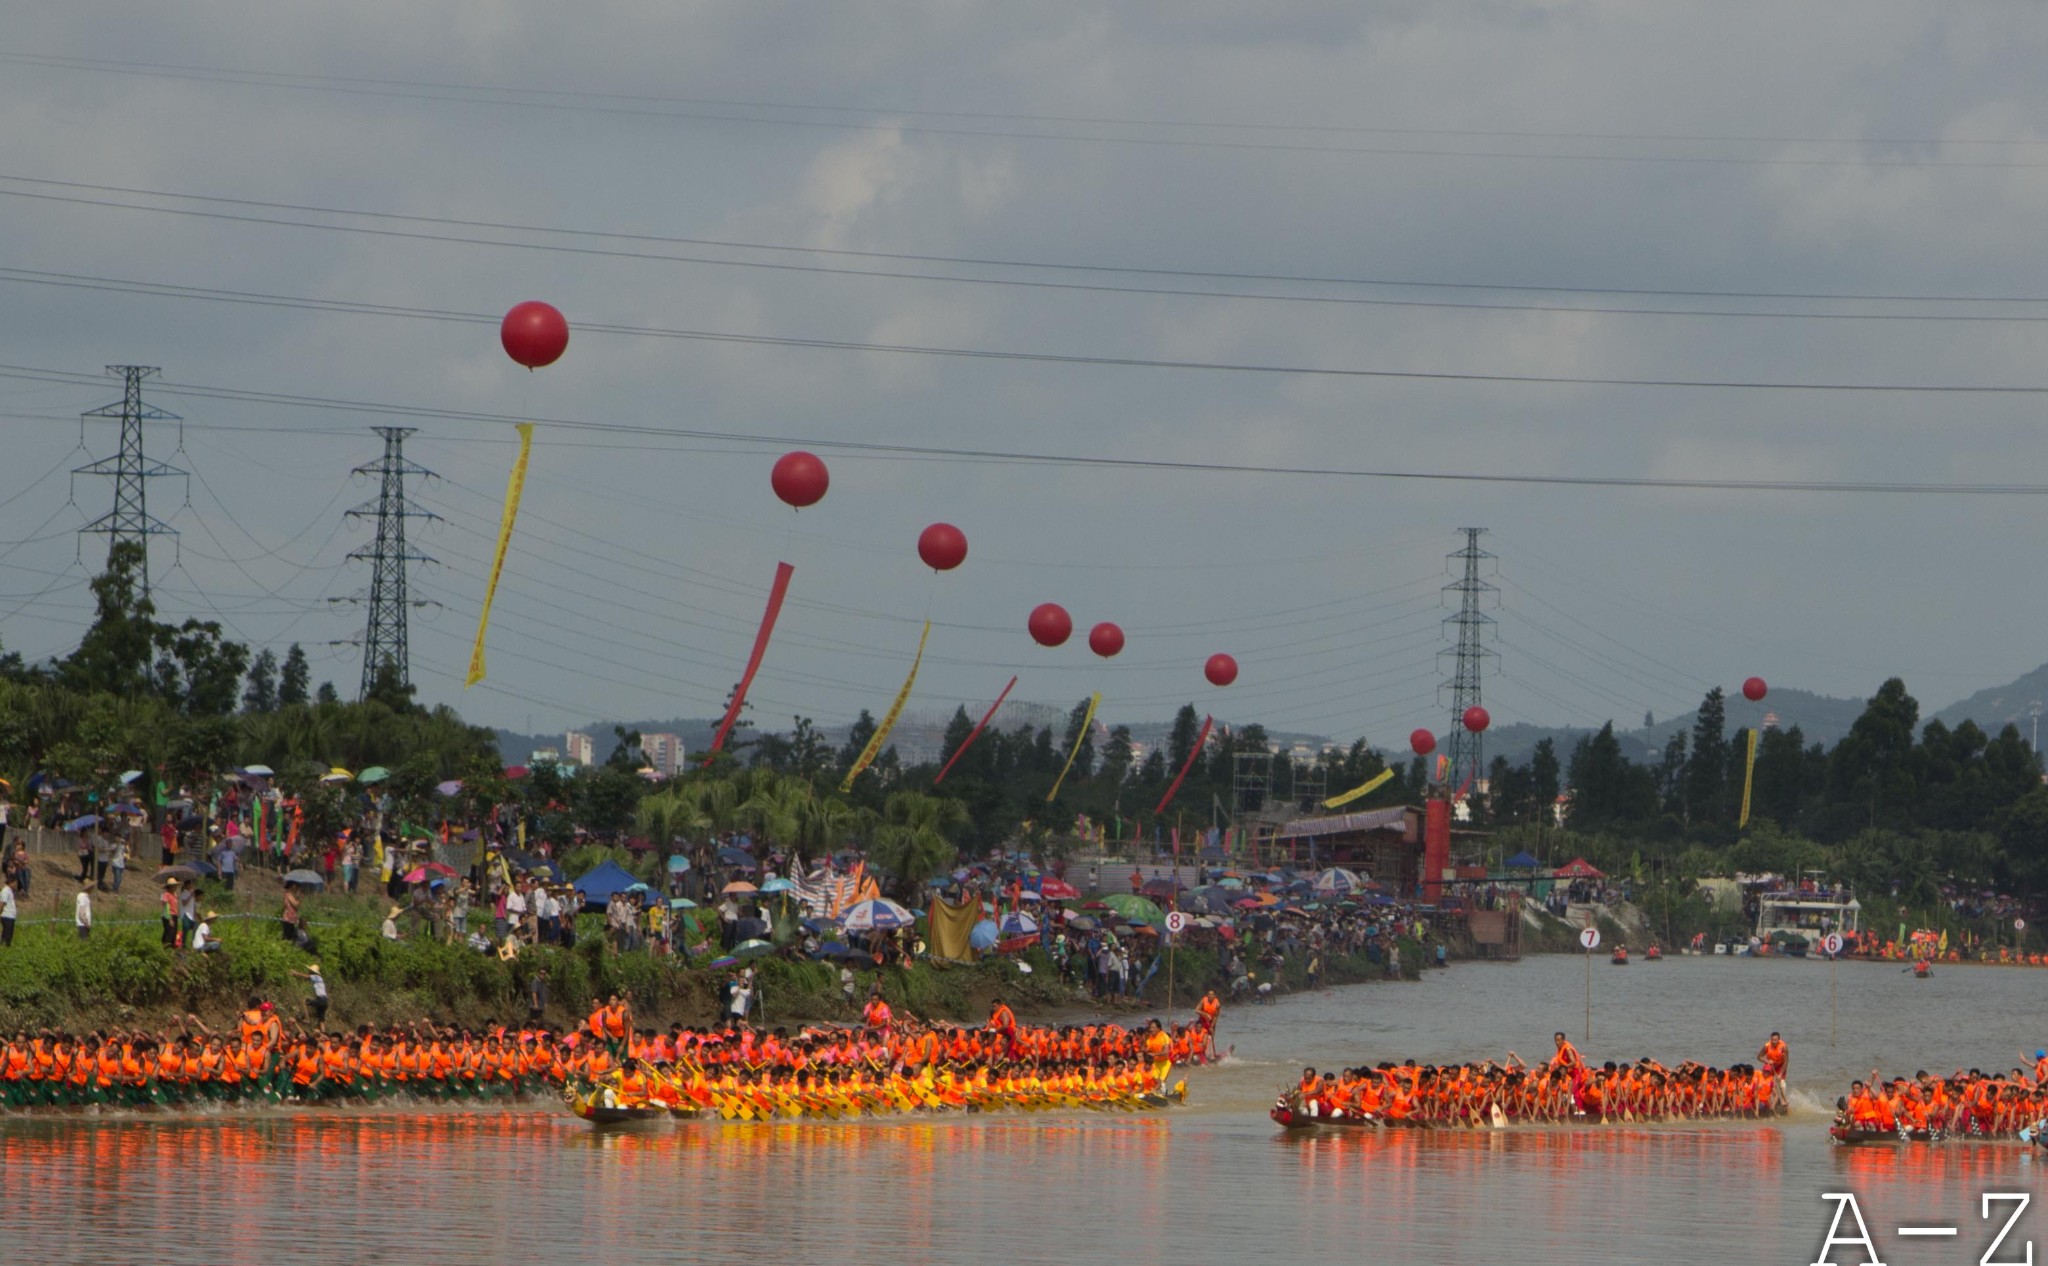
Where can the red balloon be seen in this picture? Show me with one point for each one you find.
(1050, 624)
(1105, 639)
(534, 334)
(1423, 742)
(1754, 690)
(1221, 669)
(800, 479)
(1477, 718)
(942, 546)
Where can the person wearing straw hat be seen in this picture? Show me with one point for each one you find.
(317, 1004)
(203, 941)
(390, 928)
(169, 898)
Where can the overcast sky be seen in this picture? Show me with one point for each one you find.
(1516, 156)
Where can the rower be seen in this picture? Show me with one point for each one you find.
(1567, 1055)
(1774, 1056)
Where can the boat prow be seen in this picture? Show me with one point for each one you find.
(589, 1106)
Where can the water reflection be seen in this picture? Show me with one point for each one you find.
(1215, 1183)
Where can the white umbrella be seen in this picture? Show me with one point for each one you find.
(866, 916)
(1338, 882)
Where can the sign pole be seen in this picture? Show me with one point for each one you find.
(1590, 938)
(1831, 945)
(1176, 922)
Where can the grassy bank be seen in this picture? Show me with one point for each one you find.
(124, 975)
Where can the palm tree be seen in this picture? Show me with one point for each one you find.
(912, 840)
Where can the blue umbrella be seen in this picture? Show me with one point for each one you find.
(777, 885)
(727, 961)
(984, 936)
(821, 925)
(736, 857)
(79, 824)
(678, 864)
(124, 807)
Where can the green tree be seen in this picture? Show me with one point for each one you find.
(1116, 757)
(119, 647)
(261, 694)
(914, 839)
(1543, 778)
(1872, 767)
(1186, 728)
(1084, 759)
(327, 693)
(389, 689)
(1706, 769)
(199, 671)
(292, 685)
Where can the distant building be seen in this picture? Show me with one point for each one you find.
(579, 749)
(663, 752)
(545, 756)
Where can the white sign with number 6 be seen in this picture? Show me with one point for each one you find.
(1590, 938)
(1831, 944)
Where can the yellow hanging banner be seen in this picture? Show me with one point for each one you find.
(874, 747)
(1748, 778)
(1087, 719)
(513, 487)
(1365, 788)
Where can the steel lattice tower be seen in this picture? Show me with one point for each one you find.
(385, 637)
(130, 469)
(1474, 629)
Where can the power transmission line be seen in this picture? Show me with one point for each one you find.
(1474, 628)
(984, 262)
(709, 110)
(130, 522)
(386, 638)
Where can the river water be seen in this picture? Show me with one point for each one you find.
(1215, 1182)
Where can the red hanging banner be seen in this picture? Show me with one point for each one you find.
(783, 571)
(1200, 740)
(975, 733)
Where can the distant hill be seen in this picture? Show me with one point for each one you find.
(1821, 718)
(1991, 709)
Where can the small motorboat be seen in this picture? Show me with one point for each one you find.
(1653, 955)
(1620, 956)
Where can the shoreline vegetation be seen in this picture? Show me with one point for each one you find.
(122, 975)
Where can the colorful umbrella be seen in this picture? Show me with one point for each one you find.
(1137, 909)
(375, 773)
(879, 913)
(1059, 890)
(738, 886)
(1338, 882)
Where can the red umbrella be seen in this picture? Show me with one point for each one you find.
(1058, 890)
